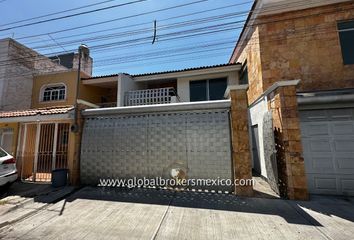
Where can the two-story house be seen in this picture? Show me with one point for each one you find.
(182, 115)
(37, 129)
(298, 58)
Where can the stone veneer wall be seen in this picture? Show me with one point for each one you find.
(305, 45)
(291, 168)
(241, 155)
(251, 53)
(297, 45)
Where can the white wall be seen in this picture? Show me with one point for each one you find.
(256, 118)
(125, 83)
(183, 82)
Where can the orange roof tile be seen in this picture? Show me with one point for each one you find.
(38, 111)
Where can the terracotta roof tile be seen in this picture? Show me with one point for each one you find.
(38, 111)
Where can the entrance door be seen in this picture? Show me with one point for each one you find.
(43, 148)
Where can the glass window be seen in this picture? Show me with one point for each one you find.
(211, 89)
(346, 36)
(54, 93)
(217, 88)
(198, 91)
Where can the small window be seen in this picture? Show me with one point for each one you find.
(54, 93)
(204, 90)
(346, 36)
(244, 74)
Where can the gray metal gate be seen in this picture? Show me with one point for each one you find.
(151, 144)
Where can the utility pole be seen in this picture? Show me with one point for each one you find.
(75, 127)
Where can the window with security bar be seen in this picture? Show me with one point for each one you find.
(54, 93)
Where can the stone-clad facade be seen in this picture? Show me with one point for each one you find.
(241, 157)
(289, 44)
(292, 178)
(301, 44)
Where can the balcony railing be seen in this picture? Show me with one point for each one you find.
(151, 96)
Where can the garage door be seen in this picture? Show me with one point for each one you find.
(152, 145)
(328, 143)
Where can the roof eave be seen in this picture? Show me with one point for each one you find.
(231, 60)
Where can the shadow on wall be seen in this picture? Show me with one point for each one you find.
(280, 162)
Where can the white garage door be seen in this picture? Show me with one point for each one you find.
(328, 143)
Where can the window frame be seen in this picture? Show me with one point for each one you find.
(44, 90)
(339, 30)
(207, 82)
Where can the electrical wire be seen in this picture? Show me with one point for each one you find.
(72, 15)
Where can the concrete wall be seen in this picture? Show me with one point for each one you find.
(16, 74)
(183, 82)
(125, 83)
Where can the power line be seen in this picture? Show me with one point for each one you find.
(144, 30)
(270, 9)
(71, 15)
(283, 20)
(279, 7)
(148, 23)
(117, 19)
(56, 13)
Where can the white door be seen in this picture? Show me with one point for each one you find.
(328, 144)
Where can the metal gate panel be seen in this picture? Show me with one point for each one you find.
(42, 148)
(208, 141)
(150, 145)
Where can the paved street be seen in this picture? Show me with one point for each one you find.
(97, 213)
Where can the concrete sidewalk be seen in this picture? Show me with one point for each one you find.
(22, 200)
(97, 213)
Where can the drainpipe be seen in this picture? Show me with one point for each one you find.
(75, 127)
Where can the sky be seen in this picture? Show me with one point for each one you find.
(200, 33)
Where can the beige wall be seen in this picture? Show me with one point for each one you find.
(183, 82)
(88, 93)
(298, 45)
(14, 127)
